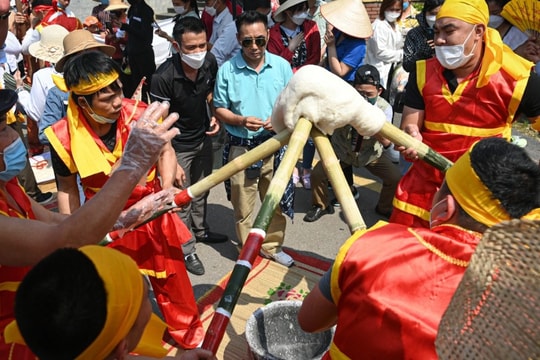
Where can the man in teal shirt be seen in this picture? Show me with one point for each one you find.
(246, 88)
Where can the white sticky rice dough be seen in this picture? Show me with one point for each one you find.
(327, 101)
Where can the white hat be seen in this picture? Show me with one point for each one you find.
(279, 16)
(50, 47)
(348, 16)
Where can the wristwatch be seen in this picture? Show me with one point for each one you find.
(20, 89)
(5, 15)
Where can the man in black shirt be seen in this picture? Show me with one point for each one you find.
(139, 45)
(186, 80)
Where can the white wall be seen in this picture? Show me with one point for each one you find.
(83, 8)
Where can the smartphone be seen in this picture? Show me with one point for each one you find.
(108, 25)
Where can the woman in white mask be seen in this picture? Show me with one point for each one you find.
(184, 8)
(385, 47)
(419, 43)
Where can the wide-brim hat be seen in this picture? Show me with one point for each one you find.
(50, 46)
(116, 5)
(279, 15)
(79, 40)
(495, 311)
(348, 16)
(8, 98)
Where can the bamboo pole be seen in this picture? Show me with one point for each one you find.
(401, 138)
(240, 163)
(255, 238)
(339, 183)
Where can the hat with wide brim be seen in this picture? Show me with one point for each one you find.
(50, 46)
(348, 16)
(8, 98)
(279, 15)
(79, 40)
(116, 5)
(495, 311)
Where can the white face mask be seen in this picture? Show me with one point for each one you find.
(391, 16)
(430, 20)
(210, 10)
(195, 60)
(299, 19)
(453, 56)
(179, 9)
(495, 21)
(100, 119)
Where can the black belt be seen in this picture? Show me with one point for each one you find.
(249, 143)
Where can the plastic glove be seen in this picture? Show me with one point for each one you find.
(327, 101)
(144, 209)
(146, 140)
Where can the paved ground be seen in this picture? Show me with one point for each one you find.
(321, 238)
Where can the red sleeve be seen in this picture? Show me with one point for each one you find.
(313, 42)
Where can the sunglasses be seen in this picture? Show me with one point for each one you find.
(260, 41)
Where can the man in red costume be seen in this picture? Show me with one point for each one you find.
(390, 285)
(88, 142)
(474, 88)
(30, 232)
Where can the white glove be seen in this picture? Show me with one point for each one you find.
(327, 101)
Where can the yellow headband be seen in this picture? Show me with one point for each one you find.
(471, 193)
(95, 84)
(125, 292)
(124, 298)
(470, 11)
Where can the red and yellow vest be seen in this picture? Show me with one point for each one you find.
(59, 137)
(392, 285)
(453, 122)
(10, 276)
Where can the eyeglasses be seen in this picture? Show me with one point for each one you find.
(260, 41)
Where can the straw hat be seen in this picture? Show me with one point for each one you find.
(495, 311)
(50, 47)
(79, 40)
(116, 5)
(348, 16)
(279, 15)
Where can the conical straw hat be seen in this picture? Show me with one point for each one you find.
(348, 16)
(495, 312)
